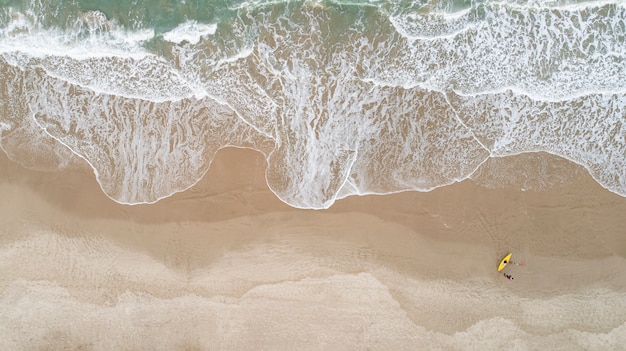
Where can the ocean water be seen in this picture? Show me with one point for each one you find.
(342, 97)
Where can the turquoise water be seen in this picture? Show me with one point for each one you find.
(343, 97)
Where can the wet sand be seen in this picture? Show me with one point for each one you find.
(226, 265)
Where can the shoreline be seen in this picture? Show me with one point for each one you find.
(420, 263)
(235, 188)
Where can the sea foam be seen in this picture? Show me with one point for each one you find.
(190, 32)
(402, 98)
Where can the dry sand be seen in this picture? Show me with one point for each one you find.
(227, 266)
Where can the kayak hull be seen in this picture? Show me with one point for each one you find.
(504, 262)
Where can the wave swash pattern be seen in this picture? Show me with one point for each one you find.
(342, 99)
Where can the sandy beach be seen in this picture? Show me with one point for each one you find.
(226, 266)
(312, 175)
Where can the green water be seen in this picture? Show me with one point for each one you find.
(163, 15)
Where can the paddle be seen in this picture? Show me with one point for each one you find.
(519, 264)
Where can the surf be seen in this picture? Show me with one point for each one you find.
(342, 98)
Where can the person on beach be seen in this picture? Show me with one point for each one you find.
(508, 276)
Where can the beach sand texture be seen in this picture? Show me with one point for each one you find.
(226, 265)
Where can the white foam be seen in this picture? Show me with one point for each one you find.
(434, 25)
(314, 135)
(91, 36)
(534, 49)
(132, 144)
(104, 58)
(190, 31)
(252, 4)
(587, 130)
(368, 111)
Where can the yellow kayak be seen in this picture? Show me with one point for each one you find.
(504, 262)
